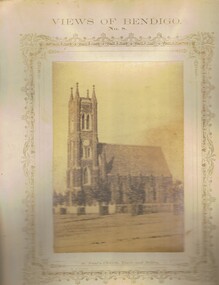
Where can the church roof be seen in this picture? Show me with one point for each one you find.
(134, 160)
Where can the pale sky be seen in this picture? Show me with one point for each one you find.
(139, 103)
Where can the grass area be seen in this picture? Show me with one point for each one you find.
(158, 232)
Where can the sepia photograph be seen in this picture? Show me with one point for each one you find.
(118, 173)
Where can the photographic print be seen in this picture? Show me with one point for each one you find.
(118, 157)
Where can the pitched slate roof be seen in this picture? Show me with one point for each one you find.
(133, 160)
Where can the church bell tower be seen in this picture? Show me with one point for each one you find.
(82, 167)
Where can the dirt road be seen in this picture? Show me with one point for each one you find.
(159, 232)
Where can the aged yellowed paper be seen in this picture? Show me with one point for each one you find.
(109, 142)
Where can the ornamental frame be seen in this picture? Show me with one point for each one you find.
(199, 47)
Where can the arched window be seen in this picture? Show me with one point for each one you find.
(86, 176)
(88, 152)
(88, 122)
(82, 121)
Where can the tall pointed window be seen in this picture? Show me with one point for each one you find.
(88, 152)
(86, 176)
(88, 122)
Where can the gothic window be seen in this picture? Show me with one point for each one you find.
(88, 122)
(86, 176)
(88, 152)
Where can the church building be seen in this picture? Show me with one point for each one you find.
(127, 170)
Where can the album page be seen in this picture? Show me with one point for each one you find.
(109, 142)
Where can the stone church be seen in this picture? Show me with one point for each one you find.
(122, 167)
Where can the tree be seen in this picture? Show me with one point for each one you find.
(73, 198)
(136, 192)
(136, 195)
(58, 199)
(81, 202)
(102, 194)
(80, 198)
(55, 199)
(119, 193)
(119, 196)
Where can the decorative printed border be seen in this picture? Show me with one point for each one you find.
(200, 48)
